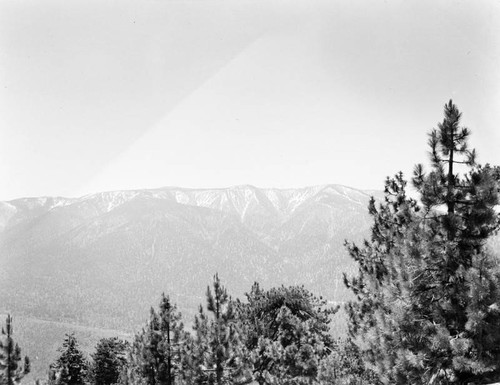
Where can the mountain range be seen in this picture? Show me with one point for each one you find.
(100, 261)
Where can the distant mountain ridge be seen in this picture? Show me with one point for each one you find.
(102, 259)
(236, 197)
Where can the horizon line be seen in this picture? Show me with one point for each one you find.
(168, 187)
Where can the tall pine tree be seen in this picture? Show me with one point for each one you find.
(465, 294)
(218, 355)
(12, 369)
(427, 291)
(156, 351)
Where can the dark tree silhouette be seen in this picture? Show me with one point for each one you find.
(12, 369)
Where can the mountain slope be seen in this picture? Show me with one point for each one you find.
(103, 259)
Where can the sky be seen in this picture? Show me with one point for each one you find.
(112, 95)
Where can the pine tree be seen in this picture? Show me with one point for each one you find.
(382, 315)
(427, 288)
(345, 366)
(108, 361)
(157, 350)
(218, 353)
(288, 334)
(464, 270)
(71, 366)
(198, 351)
(11, 372)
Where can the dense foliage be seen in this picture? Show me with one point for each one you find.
(427, 291)
(108, 361)
(287, 333)
(71, 368)
(345, 366)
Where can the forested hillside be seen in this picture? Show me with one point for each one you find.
(101, 260)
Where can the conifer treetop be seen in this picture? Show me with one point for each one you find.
(427, 288)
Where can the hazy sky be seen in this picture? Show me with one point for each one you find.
(105, 95)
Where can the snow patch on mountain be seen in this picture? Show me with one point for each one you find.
(244, 201)
(7, 211)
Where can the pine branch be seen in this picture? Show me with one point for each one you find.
(455, 161)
